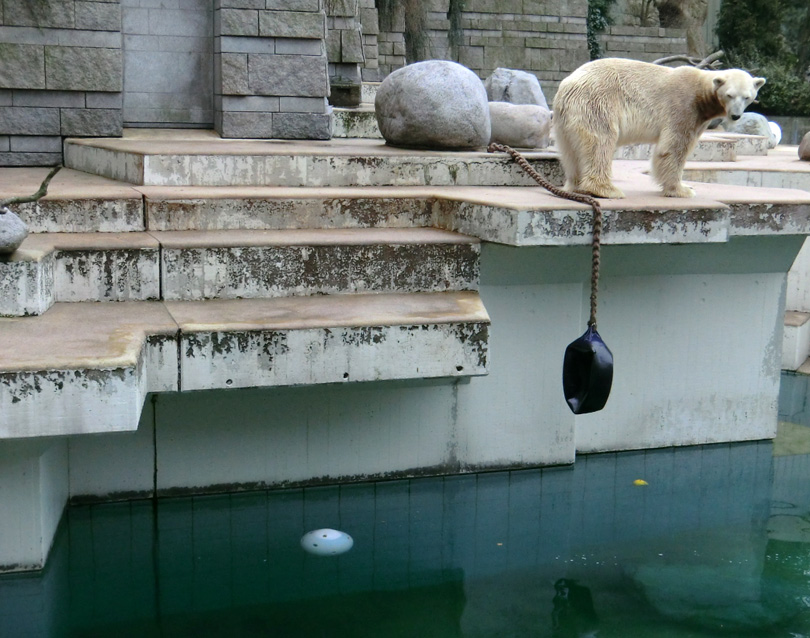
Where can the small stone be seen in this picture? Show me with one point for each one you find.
(804, 148)
(434, 104)
(751, 124)
(12, 231)
(521, 125)
(517, 87)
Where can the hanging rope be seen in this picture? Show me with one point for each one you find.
(596, 242)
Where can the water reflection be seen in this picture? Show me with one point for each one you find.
(716, 544)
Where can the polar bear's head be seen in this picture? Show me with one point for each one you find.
(736, 89)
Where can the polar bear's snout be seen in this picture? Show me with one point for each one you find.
(735, 117)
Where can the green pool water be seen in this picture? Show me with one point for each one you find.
(716, 544)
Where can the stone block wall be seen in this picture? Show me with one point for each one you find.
(61, 74)
(270, 69)
(643, 43)
(545, 37)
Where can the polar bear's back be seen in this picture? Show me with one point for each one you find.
(632, 96)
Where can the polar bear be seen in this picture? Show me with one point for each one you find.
(614, 102)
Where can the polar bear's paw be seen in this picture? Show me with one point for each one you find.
(600, 189)
(681, 190)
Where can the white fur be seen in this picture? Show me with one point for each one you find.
(614, 102)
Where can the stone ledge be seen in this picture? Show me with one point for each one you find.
(85, 368)
(232, 264)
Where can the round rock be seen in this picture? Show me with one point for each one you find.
(12, 231)
(517, 87)
(804, 148)
(522, 125)
(751, 124)
(434, 104)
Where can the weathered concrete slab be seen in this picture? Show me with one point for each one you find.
(79, 267)
(307, 340)
(263, 207)
(781, 168)
(79, 368)
(76, 202)
(710, 148)
(360, 122)
(255, 264)
(87, 367)
(211, 162)
(26, 282)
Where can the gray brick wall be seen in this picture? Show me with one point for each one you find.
(270, 69)
(61, 73)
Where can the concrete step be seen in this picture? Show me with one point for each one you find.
(232, 264)
(710, 148)
(355, 122)
(368, 92)
(48, 268)
(208, 161)
(87, 367)
(254, 264)
(795, 340)
(76, 202)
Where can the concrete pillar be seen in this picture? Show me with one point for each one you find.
(33, 494)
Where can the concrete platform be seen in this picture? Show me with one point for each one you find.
(781, 168)
(210, 161)
(691, 303)
(85, 367)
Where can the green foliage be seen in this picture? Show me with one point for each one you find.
(598, 20)
(785, 93)
(752, 28)
(770, 38)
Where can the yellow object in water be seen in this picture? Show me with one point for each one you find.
(640, 482)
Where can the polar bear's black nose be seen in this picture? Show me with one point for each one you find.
(736, 117)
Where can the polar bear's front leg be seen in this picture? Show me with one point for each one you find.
(668, 162)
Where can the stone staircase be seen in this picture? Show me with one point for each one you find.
(203, 287)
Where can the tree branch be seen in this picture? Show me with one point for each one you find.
(43, 190)
(711, 61)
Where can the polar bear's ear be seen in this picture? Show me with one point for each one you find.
(718, 81)
(758, 82)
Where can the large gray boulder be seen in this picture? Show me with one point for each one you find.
(12, 231)
(804, 148)
(517, 87)
(521, 125)
(751, 124)
(434, 104)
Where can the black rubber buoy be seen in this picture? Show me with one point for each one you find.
(587, 373)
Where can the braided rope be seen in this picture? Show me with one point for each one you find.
(596, 242)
